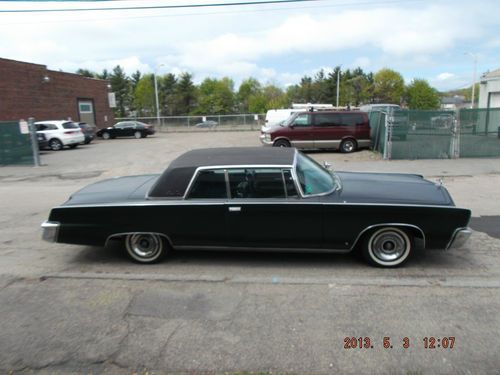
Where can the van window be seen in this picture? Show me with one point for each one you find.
(327, 119)
(352, 119)
(303, 119)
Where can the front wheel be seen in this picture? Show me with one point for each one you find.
(137, 135)
(348, 145)
(106, 135)
(387, 247)
(281, 143)
(145, 247)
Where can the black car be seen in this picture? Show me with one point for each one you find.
(87, 130)
(271, 199)
(127, 129)
(42, 141)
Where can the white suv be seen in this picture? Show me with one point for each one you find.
(60, 133)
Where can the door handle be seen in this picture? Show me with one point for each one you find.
(234, 209)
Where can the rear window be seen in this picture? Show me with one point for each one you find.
(70, 125)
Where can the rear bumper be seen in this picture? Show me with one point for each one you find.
(71, 140)
(459, 238)
(50, 231)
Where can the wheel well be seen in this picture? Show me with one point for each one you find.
(350, 138)
(415, 231)
(119, 236)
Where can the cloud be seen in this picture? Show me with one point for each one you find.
(445, 76)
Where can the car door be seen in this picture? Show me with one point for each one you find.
(200, 219)
(265, 211)
(327, 130)
(300, 131)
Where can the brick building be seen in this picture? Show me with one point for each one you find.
(31, 90)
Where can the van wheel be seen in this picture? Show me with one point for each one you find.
(348, 145)
(281, 143)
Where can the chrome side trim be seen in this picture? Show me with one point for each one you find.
(207, 202)
(459, 238)
(387, 225)
(127, 233)
(269, 249)
(50, 230)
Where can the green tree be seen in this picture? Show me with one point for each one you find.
(216, 96)
(185, 94)
(144, 95)
(86, 73)
(120, 85)
(388, 86)
(166, 93)
(248, 88)
(420, 95)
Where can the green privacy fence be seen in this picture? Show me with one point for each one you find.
(437, 134)
(15, 148)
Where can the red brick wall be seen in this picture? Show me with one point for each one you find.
(23, 94)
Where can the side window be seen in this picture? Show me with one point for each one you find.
(209, 185)
(352, 119)
(303, 119)
(256, 183)
(327, 119)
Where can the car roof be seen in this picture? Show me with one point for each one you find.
(175, 179)
(55, 122)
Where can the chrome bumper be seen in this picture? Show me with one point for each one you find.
(459, 238)
(50, 231)
(262, 138)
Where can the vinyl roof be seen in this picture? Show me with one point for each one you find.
(174, 181)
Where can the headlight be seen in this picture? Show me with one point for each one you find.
(267, 137)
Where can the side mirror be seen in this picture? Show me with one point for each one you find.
(327, 166)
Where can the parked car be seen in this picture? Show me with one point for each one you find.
(344, 130)
(60, 133)
(270, 199)
(207, 124)
(127, 129)
(42, 141)
(87, 130)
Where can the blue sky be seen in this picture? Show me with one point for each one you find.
(276, 43)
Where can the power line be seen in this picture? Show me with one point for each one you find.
(210, 5)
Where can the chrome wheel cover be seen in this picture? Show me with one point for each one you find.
(348, 146)
(105, 135)
(55, 145)
(144, 247)
(389, 246)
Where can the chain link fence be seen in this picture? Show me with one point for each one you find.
(410, 134)
(203, 123)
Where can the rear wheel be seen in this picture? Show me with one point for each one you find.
(281, 143)
(137, 135)
(146, 247)
(348, 145)
(387, 247)
(55, 144)
(73, 146)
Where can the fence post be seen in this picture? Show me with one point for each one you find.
(389, 117)
(34, 141)
(456, 133)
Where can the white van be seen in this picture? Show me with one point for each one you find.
(275, 117)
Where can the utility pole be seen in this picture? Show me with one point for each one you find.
(156, 95)
(338, 85)
(474, 56)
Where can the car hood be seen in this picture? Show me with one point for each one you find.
(391, 188)
(113, 190)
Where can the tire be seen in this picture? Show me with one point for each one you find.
(106, 136)
(387, 247)
(348, 145)
(55, 144)
(137, 135)
(73, 146)
(146, 248)
(281, 143)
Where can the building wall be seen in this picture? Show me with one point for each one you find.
(24, 93)
(490, 86)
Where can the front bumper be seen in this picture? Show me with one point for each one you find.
(459, 238)
(50, 230)
(265, 142)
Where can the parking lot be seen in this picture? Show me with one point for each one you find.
(79, 309)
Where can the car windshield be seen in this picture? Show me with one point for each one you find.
(290, 119)
(313, 178)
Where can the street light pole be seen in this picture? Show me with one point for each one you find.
(156, 95)
(474, 56)
(338, 85)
